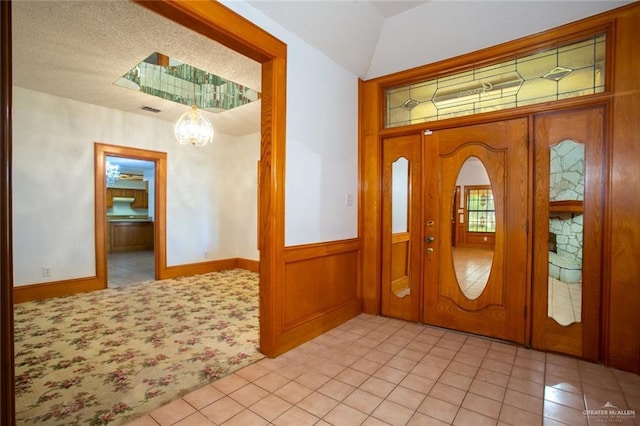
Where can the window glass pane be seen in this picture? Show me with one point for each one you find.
(423, 92)
(481, 215)
(532, 67)
(576, 81)
(558, 73)
(426, 110)
(396, 98)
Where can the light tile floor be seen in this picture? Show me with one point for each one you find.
(565, 301)
(130, 267)
(381, 371)
(472, 266)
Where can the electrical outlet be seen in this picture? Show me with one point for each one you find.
(205, 254)
(46, 271)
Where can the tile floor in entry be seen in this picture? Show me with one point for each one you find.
(381, 371)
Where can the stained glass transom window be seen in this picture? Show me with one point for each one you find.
(558, 73)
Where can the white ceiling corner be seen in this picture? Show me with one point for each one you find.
(345, 31)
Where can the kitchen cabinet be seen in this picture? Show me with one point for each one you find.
(125, 235)
(140, 197)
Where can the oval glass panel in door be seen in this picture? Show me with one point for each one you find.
(475, 222)
(566, 198)
(400, 227)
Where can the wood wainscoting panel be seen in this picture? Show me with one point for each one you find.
(321, 289)
(313, 287)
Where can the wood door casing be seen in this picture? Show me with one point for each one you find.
(585, 126)
(499, 311)
(402, 251)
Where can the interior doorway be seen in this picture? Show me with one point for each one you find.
(130, 220)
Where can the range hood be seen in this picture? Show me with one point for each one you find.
(123, 209)
(128, 200)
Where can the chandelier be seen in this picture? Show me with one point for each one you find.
(193, 128)
(112, 171)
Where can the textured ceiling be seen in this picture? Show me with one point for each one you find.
(77, 50)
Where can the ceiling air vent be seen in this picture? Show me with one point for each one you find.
(150, 109)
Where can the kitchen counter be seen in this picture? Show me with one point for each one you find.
(130, 220)
(129, 217)
(129, 234)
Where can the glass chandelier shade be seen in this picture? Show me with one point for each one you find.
(193, 128)
(112, 172)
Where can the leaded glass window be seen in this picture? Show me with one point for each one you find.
(481, 210)
(563, 72)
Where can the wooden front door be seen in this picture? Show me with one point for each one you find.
(401, 224)
(480, 288)
(568, 217)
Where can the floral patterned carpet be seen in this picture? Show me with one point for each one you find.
(108, 356)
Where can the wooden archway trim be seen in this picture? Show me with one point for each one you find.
(7, 394)
(230, 29)
(226, 27)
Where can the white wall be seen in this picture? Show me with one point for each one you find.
(322, 139)
(150, 178)
(244, 195)
(53, 187)
(472, 172)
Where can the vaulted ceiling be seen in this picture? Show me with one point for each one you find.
(77, 49)
(375, 38)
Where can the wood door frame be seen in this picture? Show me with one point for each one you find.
(502, 147)
(372, 128)
(621, 294)
(7, 376)
(408, 307)
(583, 338)
(101, 152)
(219, 23)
